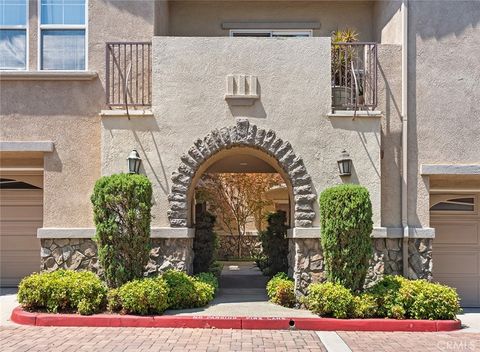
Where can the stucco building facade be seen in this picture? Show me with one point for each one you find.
(192, 85)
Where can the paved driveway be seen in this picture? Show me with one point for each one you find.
(150, 339)
(20, 338)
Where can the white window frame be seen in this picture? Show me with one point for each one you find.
(60, 27)
(308, 32)
(26, 27)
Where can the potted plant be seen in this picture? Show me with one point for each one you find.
(343, 79)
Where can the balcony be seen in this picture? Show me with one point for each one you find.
(128, 75)
(354, 76)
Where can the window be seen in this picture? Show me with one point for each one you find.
(451, 203)
(63, 35)
(270, 33)
(13, 34)
(6, 183)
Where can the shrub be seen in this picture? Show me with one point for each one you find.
(426, 300)
(364, 306)
(261, 260)
(400, 298)
(273, 282)
(144, 296)
(205, 242)
(204, 293)
(114, 303)
(216, 269)
(329, 299)
(121, 206)
(385, 292)
(281, 290)
(346, 222)
(275, 244)
(187, 291)
(63, 290)
(182, 289)
(208, 278)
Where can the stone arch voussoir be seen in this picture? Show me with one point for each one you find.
(242, 134)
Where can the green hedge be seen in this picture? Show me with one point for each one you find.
(83, 292)
(281, 290)
(274, 256)
(346, 226)
(121, 207)
(400, 298)
(205, 242)
(329, 299)
(63, 291)
(142, 296)
(392, 297)
(208, 278)
(187, 291)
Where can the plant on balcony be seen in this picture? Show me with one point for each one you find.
(342, 72)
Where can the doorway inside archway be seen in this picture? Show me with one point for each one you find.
(240, 189)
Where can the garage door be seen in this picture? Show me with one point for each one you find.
(21, 211)
(456, 248)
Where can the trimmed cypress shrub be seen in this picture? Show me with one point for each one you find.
(121, 207)
(274, 245)
(346, 222)
(205, 242)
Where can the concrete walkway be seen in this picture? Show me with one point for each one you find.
(8, 301)
(242, 293)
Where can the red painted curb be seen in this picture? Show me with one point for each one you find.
(254, 323)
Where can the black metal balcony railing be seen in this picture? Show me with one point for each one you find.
(354, 76)
(128, 74)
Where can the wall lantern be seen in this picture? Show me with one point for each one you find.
(133, 162)
(345, 164)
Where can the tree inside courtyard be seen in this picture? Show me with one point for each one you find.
(238, 199)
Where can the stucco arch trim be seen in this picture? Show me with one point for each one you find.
(242, 134)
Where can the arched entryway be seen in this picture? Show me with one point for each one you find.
(244, 138)
(261, 143)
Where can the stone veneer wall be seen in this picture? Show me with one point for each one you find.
(420, 258)
(170, 253)
(81, 254)
(386, 259)
(306, 260)
(228, 246)
(69, 253)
